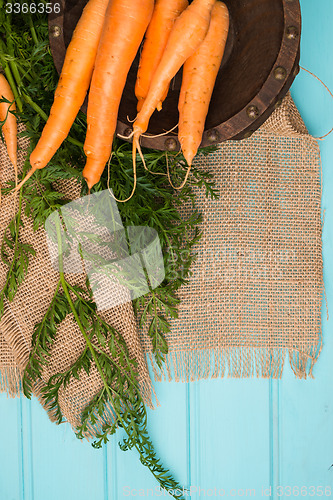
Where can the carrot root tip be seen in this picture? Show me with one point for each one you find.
(23, 181)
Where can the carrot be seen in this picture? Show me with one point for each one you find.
(125, 24)
(199, 75)
(164, 15)
(188, 32)
(9, 128)
(73, 84)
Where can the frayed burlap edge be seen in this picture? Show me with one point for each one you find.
(232, 362)
(10, 381)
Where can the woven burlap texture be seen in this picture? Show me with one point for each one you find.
(256, 290)
(30, 305)
(257, 284)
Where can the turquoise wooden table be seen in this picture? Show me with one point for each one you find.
(243, 437)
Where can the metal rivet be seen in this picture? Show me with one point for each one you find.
(292, 32)
(278, 104)
(248, 134)
(213, 135)
(171, 144)
(55, 31)
(252, 112)
(280, 73)
(127, 131)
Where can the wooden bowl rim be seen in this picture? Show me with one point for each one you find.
(253, 114)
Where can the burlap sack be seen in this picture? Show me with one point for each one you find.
(256, 290)
(30, 305)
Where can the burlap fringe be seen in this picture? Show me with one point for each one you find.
(11, 332)
(10, 381)
(236, 362)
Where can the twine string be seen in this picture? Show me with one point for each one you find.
(322, 137)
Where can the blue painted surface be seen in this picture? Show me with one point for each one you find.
(239, 435)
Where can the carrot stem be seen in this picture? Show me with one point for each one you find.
(35, 106)
(28, 99)
(32, 30)
(19, 84)
(12, 62)
(10, 67)
(11, 82)
(74, 141)
(42, 113)
(24, 74)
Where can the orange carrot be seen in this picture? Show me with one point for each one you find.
(189, 30)
(164, 15)
(125, 24)
(9, 128)
(199, 75)
(73, 84)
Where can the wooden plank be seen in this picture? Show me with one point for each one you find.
(230, 437)
(57, 464)
(306, 431)
(274, 437)
(169, 433)
(11, 465)
(306, 438)
(27, 449)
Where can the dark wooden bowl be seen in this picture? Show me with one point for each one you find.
(259, 65)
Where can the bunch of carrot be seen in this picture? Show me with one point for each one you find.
(103, 47)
